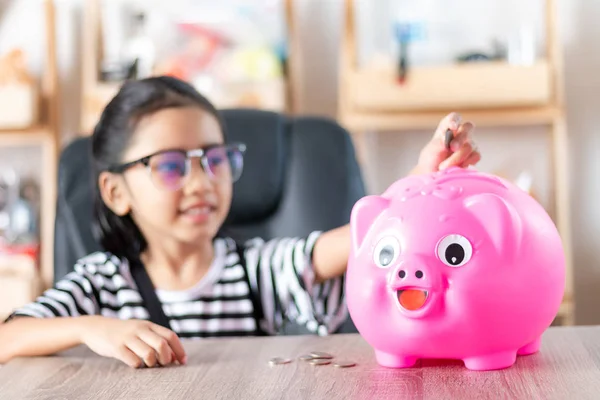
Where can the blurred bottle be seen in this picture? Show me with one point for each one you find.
(411, 29)
(139, 51)
(523, 37)
(113, 35)
(522, 46)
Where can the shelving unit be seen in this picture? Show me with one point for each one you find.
(96, 94)
(20, 280)
(492, 94)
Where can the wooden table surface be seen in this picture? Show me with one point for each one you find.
(567, 367)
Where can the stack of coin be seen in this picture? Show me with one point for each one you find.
(321, 358)
(314, 358)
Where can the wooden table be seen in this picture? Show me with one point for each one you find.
(568, 367)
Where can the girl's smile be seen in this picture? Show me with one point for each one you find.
(199, 212)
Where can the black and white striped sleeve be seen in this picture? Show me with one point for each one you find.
(281, 274)
(72, 296)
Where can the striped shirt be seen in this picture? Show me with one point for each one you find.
(278, 273)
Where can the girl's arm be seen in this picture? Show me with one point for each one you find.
(69, 314)
(27, 336)
(54, 321)
(332, 248)
(135, 342)
(330, 254)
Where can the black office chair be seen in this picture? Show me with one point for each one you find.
(300, 175)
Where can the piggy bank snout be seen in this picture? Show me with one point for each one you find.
(413, 273)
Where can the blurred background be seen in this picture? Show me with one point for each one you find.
(525, 72)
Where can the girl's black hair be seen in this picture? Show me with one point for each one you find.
(120, 235)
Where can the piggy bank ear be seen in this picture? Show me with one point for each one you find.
(499, 219)
(364, 213)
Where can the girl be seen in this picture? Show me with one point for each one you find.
(164, 173)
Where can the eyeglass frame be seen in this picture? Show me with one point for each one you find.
(189, 154)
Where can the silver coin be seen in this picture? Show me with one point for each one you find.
(320, 361)
(344, 364)
(279, 361)
(322, 355)
(306, 357)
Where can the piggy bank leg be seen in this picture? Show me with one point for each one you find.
(491, 361)
(530, 348)
(394, 361)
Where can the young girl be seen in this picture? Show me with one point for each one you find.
(164, 174)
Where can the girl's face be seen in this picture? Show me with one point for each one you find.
(163, 206)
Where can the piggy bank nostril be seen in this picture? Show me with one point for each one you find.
(419, 274)
(402, 274)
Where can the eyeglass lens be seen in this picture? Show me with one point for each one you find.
(169, 170)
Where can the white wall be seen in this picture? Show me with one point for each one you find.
(460, 25)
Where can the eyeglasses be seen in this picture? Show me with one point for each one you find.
(169, 168)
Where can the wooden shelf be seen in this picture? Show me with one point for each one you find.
(19, 281)
(38, 135)
(481, 85)
(45, 134)
(491, 94)
(96, 94)
(100, 93)
(414, 120)
(566, 312)
(95, 98)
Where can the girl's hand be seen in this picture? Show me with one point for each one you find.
(135, 342)
(463, 152)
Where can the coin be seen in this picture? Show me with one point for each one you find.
(448, 138)
(320, 361)
(344, 364)
(320, 354)
(279, 361)
(306, 357)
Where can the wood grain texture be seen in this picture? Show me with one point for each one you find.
(567, 367)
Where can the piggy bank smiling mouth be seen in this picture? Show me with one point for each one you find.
(412, 299)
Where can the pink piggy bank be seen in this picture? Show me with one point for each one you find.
(458, 264)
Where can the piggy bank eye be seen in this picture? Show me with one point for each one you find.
(386, 251)
(455, 250)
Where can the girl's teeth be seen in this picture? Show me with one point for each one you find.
(200, 210)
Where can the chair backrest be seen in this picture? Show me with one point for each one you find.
(300, 175)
